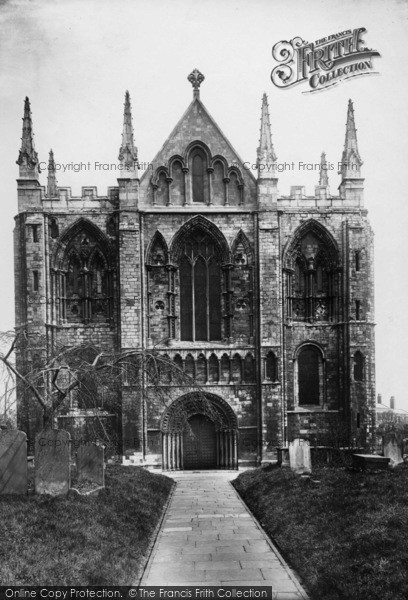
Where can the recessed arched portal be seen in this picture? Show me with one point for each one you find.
(199, 431)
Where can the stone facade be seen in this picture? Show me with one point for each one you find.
(265, 300)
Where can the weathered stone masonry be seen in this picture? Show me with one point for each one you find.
(265, 300)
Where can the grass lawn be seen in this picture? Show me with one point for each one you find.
(347, 536)
(94, 540)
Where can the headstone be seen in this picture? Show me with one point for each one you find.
(393, 449)
(90, 463)
(299, 456)
(52, 462)
(283, 456)
(13, 462)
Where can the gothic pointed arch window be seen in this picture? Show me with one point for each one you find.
(218, 184)
(162, 190)
(198, 178)
(200, 289)
(177, 186)
(312, 284)
(242, 286)
(198, 165)
(234, 196)
(83, 283)
(160, 291)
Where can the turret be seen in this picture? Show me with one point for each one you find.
(322, 190)
(128, 180)
(29, 190)
(266, 160)
(52, 191)
(128, 150)
(266, 153)
(351, 186)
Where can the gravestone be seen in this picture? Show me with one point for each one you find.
(52, 462)
(299, 456)
(90, 463)
(13, 462)
(393, 449)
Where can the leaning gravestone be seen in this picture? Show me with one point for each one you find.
(299, 456)
(90, 464)
(52, 462)
(13, 462)
(393, 449)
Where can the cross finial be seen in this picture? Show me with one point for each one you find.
(196, 78)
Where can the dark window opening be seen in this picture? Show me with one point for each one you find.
(198, 178)
(178, 361)
(236, 369)
(36, 281)
(225, 368)
(357, 260)
(271, 371)
(358, 310)
(359, 362)
(213, 369)
(308, 376)
(312, 282)
(189, 366)
(36, 235)
(85, 286)
(200, 291)
(201, 369)
(200, 299)
(54, 230)
(358, 420)
(249, 369)
(186, 300)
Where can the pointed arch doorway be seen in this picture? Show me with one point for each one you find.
(199, 431)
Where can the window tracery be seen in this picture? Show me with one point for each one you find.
(83, 285)
(312, 276)
(200, 289)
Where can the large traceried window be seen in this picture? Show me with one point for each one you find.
(311, 275)
(200, 290)
(82, 281)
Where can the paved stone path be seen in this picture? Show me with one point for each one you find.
(208, 537)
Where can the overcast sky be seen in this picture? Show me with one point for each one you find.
(76, 58)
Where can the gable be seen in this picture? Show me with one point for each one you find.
(196, 125)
